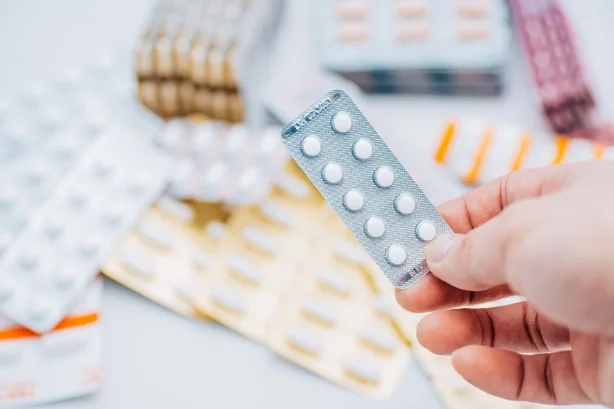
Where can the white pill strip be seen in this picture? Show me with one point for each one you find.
(137, 265)
(363, 371)
(176, 209)
(379, 340)
(228, 300)
(367, 186)
(244, 269)
(276, 213)
(335, 281)
(304, 341)
(259, 239)
(156, 234)
(320, 311)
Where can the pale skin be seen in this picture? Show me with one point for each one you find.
(546, 235)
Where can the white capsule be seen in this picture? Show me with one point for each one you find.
(362, 149)
(185, 291)
(335, 281)
(202, 260)
(38, 308)
(293, 187)
(405, 204)
(320, 311)
(342, 122)
(383, 177)
(426, 231)
(6, 239)
(244, 269)
(79, 196)
(259, 239)
(103, 167)
(363, 371)
(379, 340)
(216, 230)
(29, 259)
(332, 173)
(90, 245)
(137, 265)
(7, 289)
(311, 146)
(156, 234)
(8, 196)
(396, 255)
(64, 278)
(304, 341)
(353, 201)
(276, 213)
(176, 209)
(113, 214)
(375, 228)
(228, 299)
(54, 227)
(348, 251)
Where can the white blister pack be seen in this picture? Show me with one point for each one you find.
(64, 242)
(366, 185)
(219, 162)
(62, 364)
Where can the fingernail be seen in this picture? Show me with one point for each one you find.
(436, 251)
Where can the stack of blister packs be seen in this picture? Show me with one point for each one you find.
(556, 64)
(478, 151)
(416, 46)
(205, 56)
(78, 167)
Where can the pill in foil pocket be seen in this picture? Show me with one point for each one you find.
(366, 185)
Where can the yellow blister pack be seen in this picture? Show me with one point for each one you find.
(258, 259)
(163, 256)
(328, 324)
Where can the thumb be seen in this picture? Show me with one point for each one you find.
(478, 260)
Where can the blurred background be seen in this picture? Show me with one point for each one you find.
(191, 95)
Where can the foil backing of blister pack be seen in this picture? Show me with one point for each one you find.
(63, 364)
(66, 239)
(399, 251)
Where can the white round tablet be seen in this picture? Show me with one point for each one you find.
(311, 146)
(342, 122)
(375, 228)
(405, 204)
(396, 255)
(353, 200)
(426, 231)
(332, 173)
(383, 177)
(362, 149)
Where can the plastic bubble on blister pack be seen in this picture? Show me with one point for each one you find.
(394, 236)
(412, 46)
(477, 151)
(74, 225)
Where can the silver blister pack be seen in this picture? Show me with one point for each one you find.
(366, 185)
(63, 244)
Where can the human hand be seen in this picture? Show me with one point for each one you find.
(546, 235)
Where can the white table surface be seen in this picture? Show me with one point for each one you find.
(157, 359)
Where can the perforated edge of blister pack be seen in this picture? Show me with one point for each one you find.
(398, 251)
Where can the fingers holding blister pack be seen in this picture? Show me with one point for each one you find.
(396, 219)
